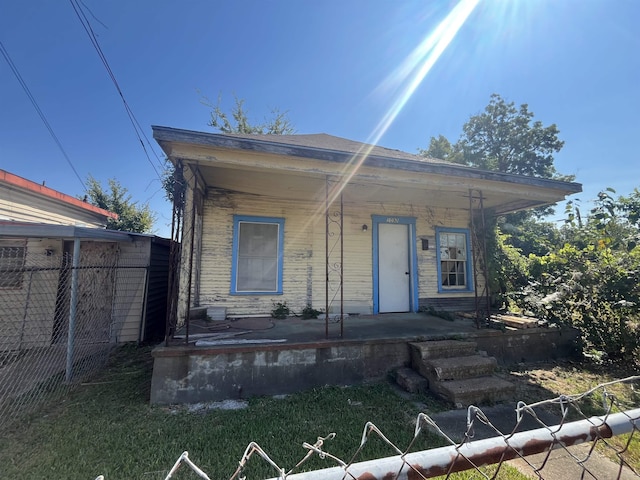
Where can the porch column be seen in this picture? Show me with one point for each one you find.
(190, 244)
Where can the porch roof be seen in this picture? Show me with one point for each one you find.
(271, 165)
(11, 229)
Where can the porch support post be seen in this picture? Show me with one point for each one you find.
(334, 268)
(479, 249)
(173, 280)
(73, 304)
(326, 259)
(191, 229)
(341, 265)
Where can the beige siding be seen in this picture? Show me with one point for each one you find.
(22, 206)
(217, 239)
(304, 252)
(27, 312)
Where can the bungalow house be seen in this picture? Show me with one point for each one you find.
(341, 226)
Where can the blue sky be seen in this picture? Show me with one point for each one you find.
(334, 65)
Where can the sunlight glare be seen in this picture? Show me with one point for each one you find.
(405, 79)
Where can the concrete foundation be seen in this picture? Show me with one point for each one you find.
(189, 374)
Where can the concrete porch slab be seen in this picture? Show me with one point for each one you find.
(370, 348)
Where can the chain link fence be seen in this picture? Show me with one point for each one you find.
(594, 435)
(59, 319)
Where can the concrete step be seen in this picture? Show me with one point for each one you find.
(411, 381)
(476, 391)
(456, 368)
(440, 349)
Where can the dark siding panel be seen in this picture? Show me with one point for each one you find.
(450, 304)
(156, 308)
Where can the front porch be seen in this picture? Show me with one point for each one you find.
(293, 354)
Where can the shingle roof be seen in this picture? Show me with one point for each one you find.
(338, 144)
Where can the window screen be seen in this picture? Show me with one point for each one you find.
(11, 264)
(257, 257)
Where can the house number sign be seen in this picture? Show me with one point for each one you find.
(393, 220)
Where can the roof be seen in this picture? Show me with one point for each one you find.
(45, 230)
(336, 149)
(50, 193)
(324, 141)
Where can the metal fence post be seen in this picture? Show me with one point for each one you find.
(72, 308)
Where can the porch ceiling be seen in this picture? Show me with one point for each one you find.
(363, 189)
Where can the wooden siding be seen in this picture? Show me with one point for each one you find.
(304, 252)
(20, 206)
(27, 313)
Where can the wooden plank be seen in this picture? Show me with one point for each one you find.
(516, 322)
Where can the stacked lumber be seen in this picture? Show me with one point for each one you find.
(515, 321)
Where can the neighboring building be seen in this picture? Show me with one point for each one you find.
(121, 289)
(22, 200)
(312, 219)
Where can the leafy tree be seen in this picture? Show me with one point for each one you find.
(278, 124)
(116, 198)
(442, 148)
(237, 121)
(506, 139)
(503, 138)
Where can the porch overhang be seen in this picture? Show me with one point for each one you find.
(273, 167)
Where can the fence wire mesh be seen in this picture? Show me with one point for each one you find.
(58, 322)
(592, 431)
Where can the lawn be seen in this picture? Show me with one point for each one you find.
(106, 427)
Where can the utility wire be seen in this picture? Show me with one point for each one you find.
(134, 122)
(24, 86)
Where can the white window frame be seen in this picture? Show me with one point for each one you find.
(463, 256)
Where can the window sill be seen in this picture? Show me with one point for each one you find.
(255, 294)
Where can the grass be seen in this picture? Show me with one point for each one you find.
(545, 381)
(107, 427)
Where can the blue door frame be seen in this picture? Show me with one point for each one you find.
(413, 261)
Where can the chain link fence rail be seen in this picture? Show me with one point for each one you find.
(486, 458)
(60, 316)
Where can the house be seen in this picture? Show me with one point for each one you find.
(46, 239)
(338, 225)
(22, 200)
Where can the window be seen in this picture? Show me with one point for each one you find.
(257, 255)
(12, 256)
(453, 259)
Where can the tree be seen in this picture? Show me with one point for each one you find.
(278, 124)
(506, 139)
(442, 148)
(503, 138)
(131, 216)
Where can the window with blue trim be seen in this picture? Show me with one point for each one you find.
(453, 259)
(257, 255)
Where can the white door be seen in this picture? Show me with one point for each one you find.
(394, 275)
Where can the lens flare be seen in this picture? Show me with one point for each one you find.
(405, 79)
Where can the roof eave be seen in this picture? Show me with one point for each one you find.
(166, 135)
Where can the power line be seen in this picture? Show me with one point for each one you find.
(134, 122)
(24, 86)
